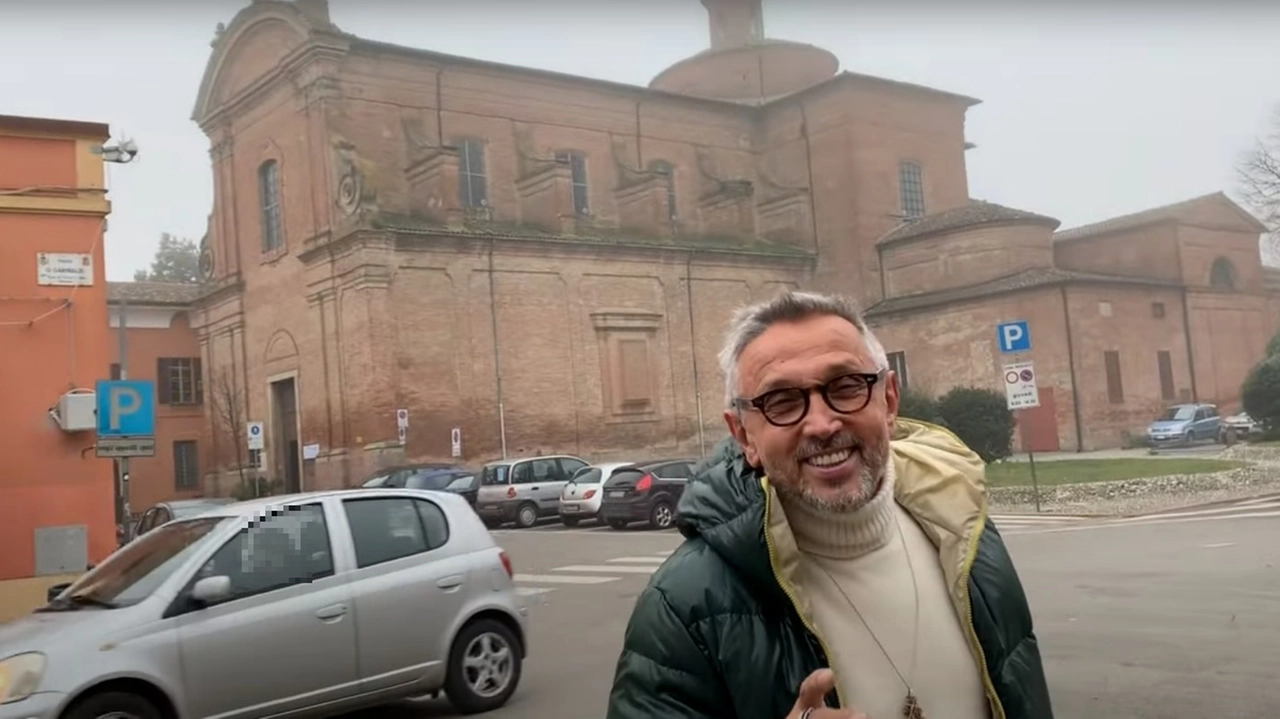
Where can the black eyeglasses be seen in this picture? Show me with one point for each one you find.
(786, 407)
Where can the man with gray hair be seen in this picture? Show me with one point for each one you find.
(838, 561)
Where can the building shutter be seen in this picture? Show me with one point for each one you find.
(163, 394)
(197, 377)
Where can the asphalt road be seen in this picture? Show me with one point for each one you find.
(1169, 616)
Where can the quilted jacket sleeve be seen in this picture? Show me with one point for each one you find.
(664, 671)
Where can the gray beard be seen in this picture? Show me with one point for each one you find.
(870, 477)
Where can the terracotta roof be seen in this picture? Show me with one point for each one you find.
(152, 293)
(1024, 280)
(976, 213)
(1163, 213)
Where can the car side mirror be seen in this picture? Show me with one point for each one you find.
(211, 590)
(55, 590)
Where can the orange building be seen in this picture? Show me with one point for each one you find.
(162, 347)
(56, 511)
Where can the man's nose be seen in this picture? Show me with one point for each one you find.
(821, 421)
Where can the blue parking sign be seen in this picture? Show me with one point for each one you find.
(126, 408)
(1013, 336)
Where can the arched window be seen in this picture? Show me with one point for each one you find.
(1223, 274)
(269, 200)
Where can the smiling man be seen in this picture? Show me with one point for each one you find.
(838, 560)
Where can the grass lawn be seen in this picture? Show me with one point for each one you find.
(1082, 471)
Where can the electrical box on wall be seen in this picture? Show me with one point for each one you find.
(77, 411)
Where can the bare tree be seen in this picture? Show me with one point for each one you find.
(1259, 176)
(229, 422)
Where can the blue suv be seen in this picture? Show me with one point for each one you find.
(1185, 424)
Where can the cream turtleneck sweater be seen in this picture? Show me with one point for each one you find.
(871, 554)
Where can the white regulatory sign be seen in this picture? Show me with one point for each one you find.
(1020, 386)
(455, 442)
(64, 269)
(256, 440)
(402, 418)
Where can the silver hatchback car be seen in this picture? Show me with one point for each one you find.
(307, 605)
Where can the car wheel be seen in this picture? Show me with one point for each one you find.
(566, 521)
(618, 524)
(1189, 439)
(484, 667)
(662, 516)
(113, 705)
(527, 515)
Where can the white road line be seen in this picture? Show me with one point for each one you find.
(667, 553)
(1165, 520)
(1194, 513)
(638, 560)
(1218, 545)
(533, 591)
(563, 579)
(605, 568)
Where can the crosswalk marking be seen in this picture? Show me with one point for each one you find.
(625, 569)
(638, 560)
(562, 579)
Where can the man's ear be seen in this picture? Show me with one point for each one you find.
(892, 397)
(739, 433)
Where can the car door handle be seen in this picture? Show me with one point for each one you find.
(333, 612)
(451, 582)
(535, 488)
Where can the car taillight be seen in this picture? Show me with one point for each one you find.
(590, 493)
(645, 483)
(506, 564)
(511, 492)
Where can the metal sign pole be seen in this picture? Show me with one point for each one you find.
(124, 461)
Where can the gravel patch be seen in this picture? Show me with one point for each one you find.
(1152, 494)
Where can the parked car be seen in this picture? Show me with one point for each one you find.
(176, 509)
(646, 493)
(580, 498)
(1242, 423)
(306, 605)
(524, 490)
(395, 476)
(447, 478)
(1185, 424)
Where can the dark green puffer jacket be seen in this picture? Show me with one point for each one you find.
(716, 634)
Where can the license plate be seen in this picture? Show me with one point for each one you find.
(618, 493)
(570, 509)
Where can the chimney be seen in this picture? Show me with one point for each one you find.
(735, 23)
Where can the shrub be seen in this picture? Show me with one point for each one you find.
(981, 419)
(1261, 393)
(918, 404)
(1273, 347)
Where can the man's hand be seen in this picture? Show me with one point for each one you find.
(809, 704)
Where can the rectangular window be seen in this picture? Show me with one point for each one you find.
(179, 381)
(911, 189)
(186, 465)
(633, 361)
(1157, 310)
(1165, 361)
(1115, 387)
(472, 188)
(898, 363)
(269, 200)
(578, 167)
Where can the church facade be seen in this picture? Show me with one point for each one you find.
(526, 261)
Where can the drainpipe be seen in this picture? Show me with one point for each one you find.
(1186, 333)
(693, 347)
(1071, 367)
(497, 354)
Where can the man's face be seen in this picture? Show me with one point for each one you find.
(831, 460)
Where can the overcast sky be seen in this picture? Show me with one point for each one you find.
(1087, 112)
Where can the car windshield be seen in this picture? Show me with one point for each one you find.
(494, 475)
(130, 575)
(429, 479)
(192, 510)
(378, 481)
(461, 483)
(588, 475)
(1178, 414)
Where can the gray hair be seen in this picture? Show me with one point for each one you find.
(750, 322)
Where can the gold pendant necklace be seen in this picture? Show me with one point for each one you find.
(911, 708)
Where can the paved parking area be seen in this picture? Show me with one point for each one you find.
(1167, 616)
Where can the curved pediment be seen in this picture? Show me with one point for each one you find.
(258, 39)
(281, 346)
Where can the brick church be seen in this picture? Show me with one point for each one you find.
(545, 262)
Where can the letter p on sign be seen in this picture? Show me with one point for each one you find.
(1013, 337)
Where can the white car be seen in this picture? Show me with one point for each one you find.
(304, 606)
(580, 498)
